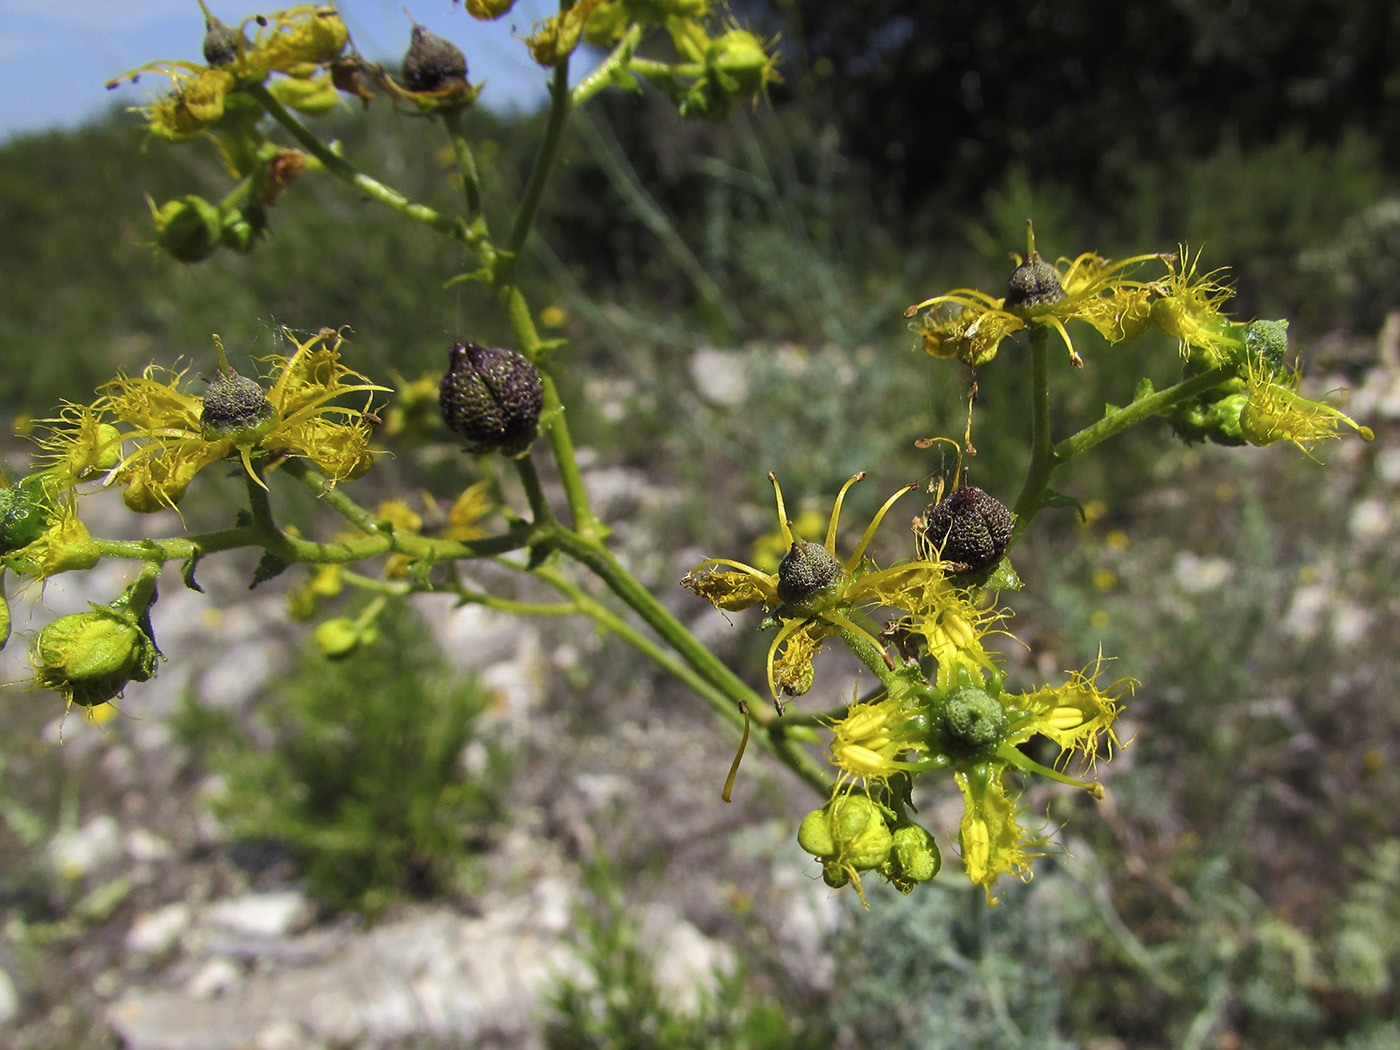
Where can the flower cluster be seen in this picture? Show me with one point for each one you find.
(813, 595)
(1256, 400)
(944, 709)
(150, 434)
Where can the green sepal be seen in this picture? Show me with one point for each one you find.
(187, 573)
(269, 567)
(1060, 501)
(1003, 578)
(481, 273)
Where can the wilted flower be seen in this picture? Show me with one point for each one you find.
(167, 434)
(970, 325)
(812, 593)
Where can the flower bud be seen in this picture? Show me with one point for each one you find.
(236, 408)
(90, 657)
(913, 858)
(492, 398)
(808, 574)
(488, 10)
(25, 514)
(972, 722)
(850, 830)
(967, 528)
(340, 637)
(432, 63)
(740, 55)
(1033, 287)
(189, 228)
(4, 620)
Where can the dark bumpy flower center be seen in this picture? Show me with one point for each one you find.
(432, 62)
(1034, 286)
(969, 528)
(492, 397)
(235, 407)
(807, 573)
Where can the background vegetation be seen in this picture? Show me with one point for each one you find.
(1240, 887)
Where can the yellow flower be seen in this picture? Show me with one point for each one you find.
(812, 593)
(1077, 716)
(169, 434)
(298, 40)
(993, 841)
(1188, 309)
(64, 546)
(872, 741)
(970, 325)
(1274, 411)
(469, 508)
(194, 103)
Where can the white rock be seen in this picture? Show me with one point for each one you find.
(9, 998)
(721, 377)
(262, 914)
(74, 854)
(158, 932)
(146, 847)
(215, 978)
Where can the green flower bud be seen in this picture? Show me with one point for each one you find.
(432, 63)
(236, 408)
(740, 55)
(1033, 287)
(340, 637)
(968, 528)
(914, 857)
(972, 722)
(25, 514)
(808, 574)
(1267, 342)
(189, 228)
(488, 10)
(1215, 417)
(814, 834)
(241, 228)
(492, 398)
(4, 620)
(849, 831)
(90, 657)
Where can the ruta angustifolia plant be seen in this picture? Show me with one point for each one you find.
(942, 707)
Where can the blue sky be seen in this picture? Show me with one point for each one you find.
(55, 55)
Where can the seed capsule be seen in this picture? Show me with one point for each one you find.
(1033, 287)
(432, 63)
(968, 529)
(492, 398)
(807, 574)
(236, 408)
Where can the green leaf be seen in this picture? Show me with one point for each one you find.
(1060, 501)
(187, 573)
(269, 567)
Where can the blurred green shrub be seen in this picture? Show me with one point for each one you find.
(377, 777)
(618, 1003)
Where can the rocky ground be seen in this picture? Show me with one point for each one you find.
(161, 934)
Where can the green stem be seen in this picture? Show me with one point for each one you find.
(559, 106)
(773, 739)
(342, 169)
(1043, 461)
(872, 656)
(1142, 409)
(522, 321)
(618, 59)
(466, 166)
